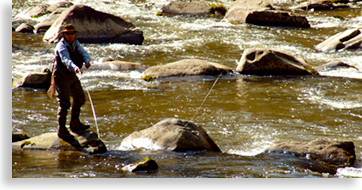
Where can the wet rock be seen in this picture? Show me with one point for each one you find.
(94, 27)
(19, 137)
(38, 80)
(185, 8)
(171, 134)
(44, 141)
(265, 61)
(334, 153)
(349, 39)
(276, 18)
(86, 141)
(146, 164)
(25, 28)
(334, 65)
(187, 67)
(118, 66)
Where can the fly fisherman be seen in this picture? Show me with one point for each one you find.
(70, 56)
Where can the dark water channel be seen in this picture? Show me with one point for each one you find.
(243, 114)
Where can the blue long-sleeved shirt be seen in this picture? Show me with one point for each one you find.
(62, 50)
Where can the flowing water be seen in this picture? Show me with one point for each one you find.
(243, 114)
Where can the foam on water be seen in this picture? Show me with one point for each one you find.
(349, 172)
(316, 95)
(257, 148)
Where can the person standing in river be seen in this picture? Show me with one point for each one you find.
(70, 56)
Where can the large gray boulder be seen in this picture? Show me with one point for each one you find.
(171, 134)
(187, 67)
(348, 39)
(94, 27)
(330, 152)
(265, 61)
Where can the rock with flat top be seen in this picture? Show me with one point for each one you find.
(187, 67)
(86, 141)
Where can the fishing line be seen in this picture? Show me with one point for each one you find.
(207, 95)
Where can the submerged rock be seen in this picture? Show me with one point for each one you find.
(187, 67)
(86, 141)
(265, 61)
(94, 27)
(146, 164)
(333, 153)
(349, 39)
(171, 134)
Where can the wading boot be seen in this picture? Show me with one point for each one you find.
(64, 134)
(76, 126)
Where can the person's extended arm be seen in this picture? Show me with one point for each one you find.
(64, 55)
(85, 54)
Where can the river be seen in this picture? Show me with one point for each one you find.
(243, 114)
